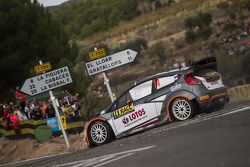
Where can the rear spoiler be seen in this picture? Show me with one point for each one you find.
(209, 62)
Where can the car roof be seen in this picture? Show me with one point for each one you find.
(162, 74)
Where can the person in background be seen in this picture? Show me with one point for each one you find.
(6, 117)
(21, 99)
(43, 107)
(1, 110)
(28, 110)
(50, 112)
(19, 114)
(15, 121)
(36, 113)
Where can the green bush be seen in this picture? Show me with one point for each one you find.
(135, 44)
(190, 37)
(230, 27)
(205, 18)
(204, 33)
(200, 20)
(179, 43)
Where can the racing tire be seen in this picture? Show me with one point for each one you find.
(100, 133)
(182, 109)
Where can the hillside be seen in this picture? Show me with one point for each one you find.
(165, 31)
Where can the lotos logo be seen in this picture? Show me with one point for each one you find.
(133, 116)
(125, 120)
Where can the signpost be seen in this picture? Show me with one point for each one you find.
(48, 81)
(109, 62)
(39, 69)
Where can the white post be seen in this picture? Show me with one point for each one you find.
(53, 99)
(106, 82)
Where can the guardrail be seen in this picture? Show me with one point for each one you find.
(239, 93)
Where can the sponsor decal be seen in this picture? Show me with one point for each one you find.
(134, 117)
(175, 87)
(125, 120)
(123, 111)
(210, 74)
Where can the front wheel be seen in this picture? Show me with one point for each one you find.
(100, 133)
(182, 109)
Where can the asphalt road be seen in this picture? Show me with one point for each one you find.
(221, 138)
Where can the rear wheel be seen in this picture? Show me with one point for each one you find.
(100, 133)
(182, 109)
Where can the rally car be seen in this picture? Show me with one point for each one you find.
(175, 95)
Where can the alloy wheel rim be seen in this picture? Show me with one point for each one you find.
(181, 109)
(98, 133)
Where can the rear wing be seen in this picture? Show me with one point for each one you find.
(209, 62)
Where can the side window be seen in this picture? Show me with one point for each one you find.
(164, 81)
(122, 101)
(141, 90)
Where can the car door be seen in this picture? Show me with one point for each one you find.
(162, 87)
(134, 107)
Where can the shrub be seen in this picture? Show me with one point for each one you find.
(204, 33)
(179, 43)
(136, 44)
(190, 37)
(205, 18)
(230, 27)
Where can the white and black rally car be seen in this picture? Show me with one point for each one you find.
(175, 95)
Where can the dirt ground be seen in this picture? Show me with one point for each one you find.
(18, 150)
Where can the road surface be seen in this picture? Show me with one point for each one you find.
(221, 138)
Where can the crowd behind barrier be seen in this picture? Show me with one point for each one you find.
(11, 114)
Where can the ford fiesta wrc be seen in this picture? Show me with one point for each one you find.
(175, 95)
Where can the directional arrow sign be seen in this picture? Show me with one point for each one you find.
(110, 62)
(47, 81)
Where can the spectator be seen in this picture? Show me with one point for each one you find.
(28, 111)
(50, 112)
(43, 107)
(19, 114)
(1, 110)
(15, 122)
(36, 113)
(20, 97)
(6, 118)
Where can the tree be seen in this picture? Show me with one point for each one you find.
(87, 17)
(29, 33)
(159, 49)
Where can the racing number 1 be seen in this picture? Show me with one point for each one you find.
(130, 58)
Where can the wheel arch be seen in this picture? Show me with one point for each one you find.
(178, 94)
(86, 131)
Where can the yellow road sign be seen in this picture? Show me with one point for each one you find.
(97, 54)
(42, 68)
(64, 122)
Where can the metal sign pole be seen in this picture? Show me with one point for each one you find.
(54, 102)
(106, 82)
(53, 99)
